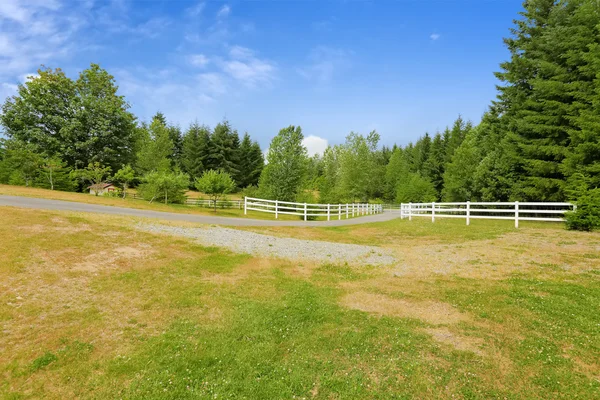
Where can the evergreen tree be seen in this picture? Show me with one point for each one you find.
(543, 81)
(223, 153)
(177, 140)
(435, 164)
(455, 136)
(584, 155)
(195, 149)
(251, 162)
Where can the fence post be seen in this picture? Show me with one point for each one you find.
(276, 209)
(401, 210)
(346, 210)
(410, 211)
(433, 211)
(305, 211)
(245, 205)
(352, 209)
(468, 212)
(516, 214)
(328, 211)
(339, 212)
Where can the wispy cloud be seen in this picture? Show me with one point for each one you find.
(252, 72)
(35, 33)
(241, 53)
(198, 60)
(324, 62)
(195, 10)
(224, 11)
(151, 28)
(214, 83)
(435, 36)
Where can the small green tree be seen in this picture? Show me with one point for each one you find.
(55, 174)
(284, 175)
(95, 173)
(215, 184)
(125, 176)
(416, 189)
(167, 186)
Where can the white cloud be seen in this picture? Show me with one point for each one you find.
(178, 97)
(250, 70)
(435, 36)
(250, 73)
(195, 10)
(213, 83)
(324, 63)
(315, 145)
(198, 60)
(151, 28)
(34, 33)
(241, 53)
(224, 11)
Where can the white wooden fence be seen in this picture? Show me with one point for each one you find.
(306, 210)
(516, 211)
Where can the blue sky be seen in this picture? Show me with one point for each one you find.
(402, 67)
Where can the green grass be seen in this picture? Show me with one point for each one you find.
(176, 320)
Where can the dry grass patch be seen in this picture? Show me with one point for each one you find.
(459, 342)
(431, 312)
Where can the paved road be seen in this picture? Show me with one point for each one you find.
(46, 204)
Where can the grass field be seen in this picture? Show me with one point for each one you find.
(90, 307)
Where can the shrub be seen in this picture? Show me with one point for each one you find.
(306, 197)
(586, 217)
(164, 186)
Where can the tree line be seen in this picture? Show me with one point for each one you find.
(66, 134)
(538, 141)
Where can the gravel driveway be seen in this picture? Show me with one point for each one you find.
(271, 246)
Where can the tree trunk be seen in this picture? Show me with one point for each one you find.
(215, 204)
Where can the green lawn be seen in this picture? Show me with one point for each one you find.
(92, 308)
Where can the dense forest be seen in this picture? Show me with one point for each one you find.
(538, 141)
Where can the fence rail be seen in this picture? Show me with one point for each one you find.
(307, 210)
(517, 211)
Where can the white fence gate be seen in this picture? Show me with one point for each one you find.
(516, 211)
(311, 210)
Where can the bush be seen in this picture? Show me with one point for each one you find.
(114, 193)
(251, 191)
(306, 197)
(164, 186)
(586, 217)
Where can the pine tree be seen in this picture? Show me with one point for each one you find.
(583, 159)
(222, 151)
(435, 164)
(195, 148)
(251, 162)
(542, 83)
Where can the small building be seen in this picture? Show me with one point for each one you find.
(101, 188)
